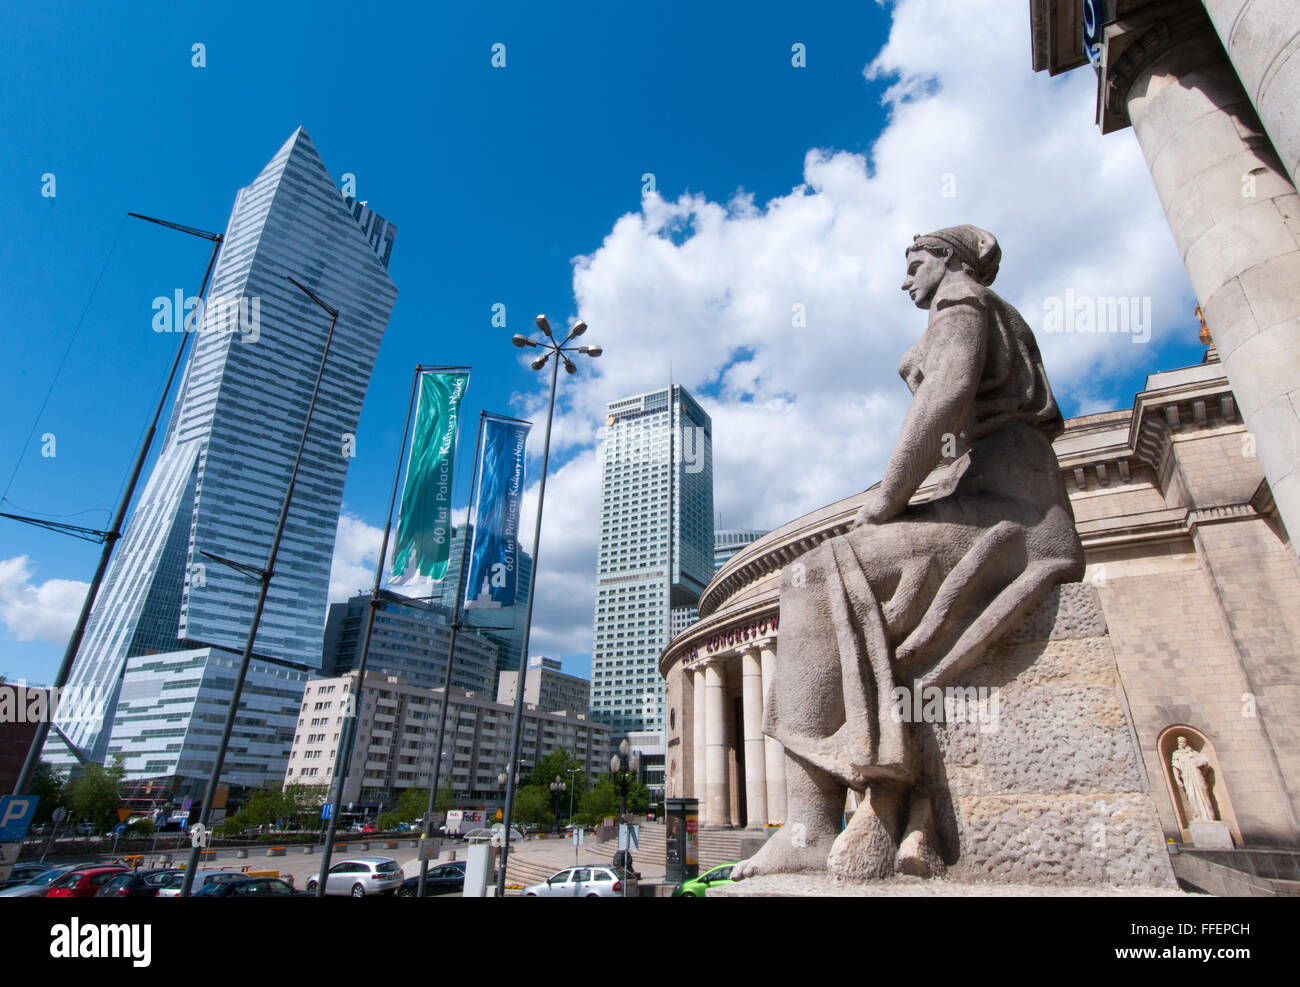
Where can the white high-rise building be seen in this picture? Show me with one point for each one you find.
(656, 548)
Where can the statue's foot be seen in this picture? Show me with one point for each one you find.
(788, 851)
(918, 854)
(868, 847)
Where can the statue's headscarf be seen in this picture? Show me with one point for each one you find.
(978, 249)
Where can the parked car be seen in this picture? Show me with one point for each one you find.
(361, 876)
(172, 889)
(369, 828)
(250, 887)
(24, 872)
(36, 886)
(441, 879)
(697, 887)
(139, 884)
(586, 882)
(84, 882)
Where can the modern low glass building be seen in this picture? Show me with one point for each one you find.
(229, 447)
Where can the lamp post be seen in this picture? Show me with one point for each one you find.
(558, 350)
(572, 787)
(557, 789)
(623, 775)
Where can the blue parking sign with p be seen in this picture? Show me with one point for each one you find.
(16, 812)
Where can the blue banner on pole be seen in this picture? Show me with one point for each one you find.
(494, 558)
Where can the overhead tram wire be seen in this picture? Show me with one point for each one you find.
(109, 538)
(63, 360)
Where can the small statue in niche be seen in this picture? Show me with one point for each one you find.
(1192, 770)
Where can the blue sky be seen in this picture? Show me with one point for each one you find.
(523, 185)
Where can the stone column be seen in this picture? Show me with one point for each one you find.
(1235, 217)
(698, 754)
(1262, 38)
(718, 786)
(755, 754)
(774, 752)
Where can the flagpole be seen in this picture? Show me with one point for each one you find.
(343, 761)
(451, 654)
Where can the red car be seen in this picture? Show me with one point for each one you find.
(369, 828)
(84, 882)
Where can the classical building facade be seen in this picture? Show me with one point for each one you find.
(1210, 88)
(1198, 582)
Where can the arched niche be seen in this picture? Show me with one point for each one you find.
(1221, 803)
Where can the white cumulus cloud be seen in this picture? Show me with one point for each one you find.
(38, 611)
(785, 317)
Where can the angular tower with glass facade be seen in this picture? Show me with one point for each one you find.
(227, 454)
(656, 548)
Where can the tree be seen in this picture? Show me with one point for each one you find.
(600, 803)
(95, 794)
(49, 785)
(558, 763)
(532, 805)
(603, 801)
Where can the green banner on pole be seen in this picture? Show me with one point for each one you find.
(424, 520)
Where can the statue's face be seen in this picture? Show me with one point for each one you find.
(1182, 742)
(925, 272)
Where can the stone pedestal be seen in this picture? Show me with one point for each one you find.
(1035, 776)
(1210, 836)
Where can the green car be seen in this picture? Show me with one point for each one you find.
(698, 887)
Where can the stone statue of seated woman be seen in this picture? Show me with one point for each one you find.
(916, 593)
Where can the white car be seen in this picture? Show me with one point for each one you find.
(586, 882)
(361, 876)
(173, 888)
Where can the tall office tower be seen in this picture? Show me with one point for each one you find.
(408, 640)
(229, 448)
(656, 548)
(504, 627)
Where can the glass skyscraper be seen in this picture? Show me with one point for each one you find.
(228, 451)
(656, 548)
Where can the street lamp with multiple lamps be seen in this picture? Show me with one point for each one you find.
(558, 788)
(559, 350)
(623, 776)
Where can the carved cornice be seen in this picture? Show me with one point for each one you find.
(1132, 44)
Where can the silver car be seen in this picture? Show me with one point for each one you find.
(586, 882)
(172, 887)
(361, 876)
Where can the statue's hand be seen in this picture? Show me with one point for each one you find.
(876, 509)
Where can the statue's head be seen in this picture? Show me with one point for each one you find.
(967, 250)
(1182, 742)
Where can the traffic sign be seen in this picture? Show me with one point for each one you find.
(185, 807)
(119, 829)
(160, 820)
(327, 810)
(16, 813)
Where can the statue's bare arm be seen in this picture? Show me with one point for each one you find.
(954, 359)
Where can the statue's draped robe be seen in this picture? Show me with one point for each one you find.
(916, 600)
